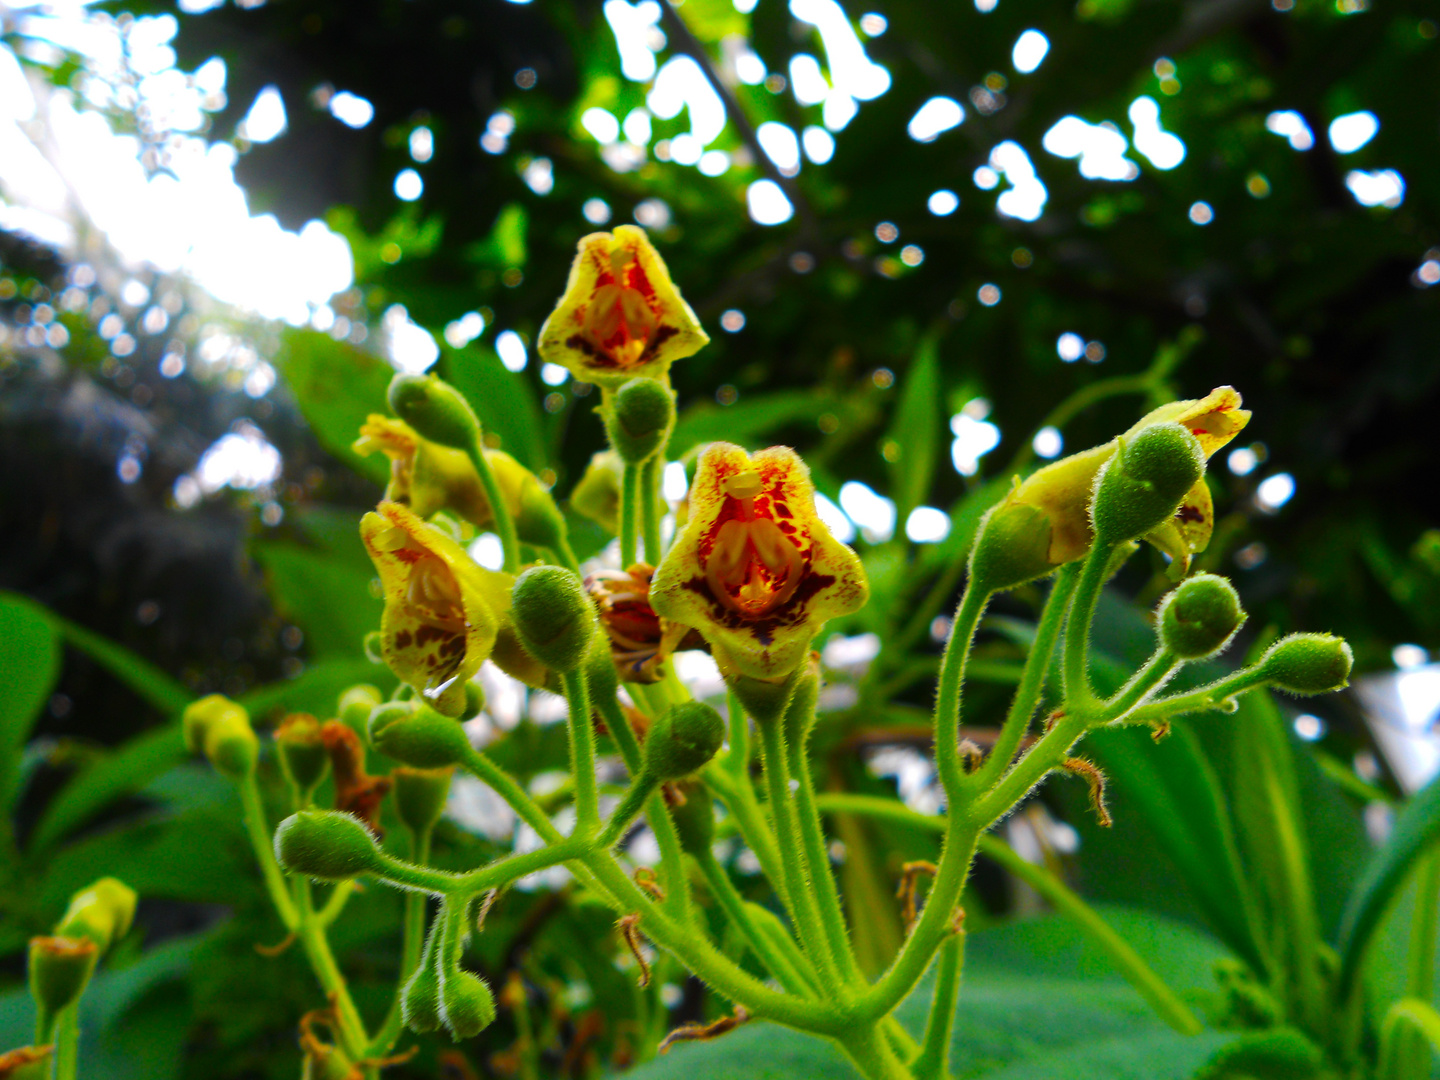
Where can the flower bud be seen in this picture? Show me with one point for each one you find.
(102, 913)
(1011, 547)
(1307, 664)
(554, 617)
(303, 757)
(26, 1063)
(420, 1000)
(60, 968)
(800, 711)
(474, 701)
(1200, 617)
(466, 1004)
(231, 745)
(325, 844)
(596, 495)
(416, 735)
(682, 740)
(199, 715)
(435, 409)
(639, 419)
(695, 818)
(356, 703)
(765, 699)
(1141, 487)
(420, 795)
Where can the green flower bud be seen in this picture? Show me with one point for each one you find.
(416, 735)
(325, 844)
(303, 757)
(596, 495)
(800, 712)
(682, 740)
(555, 619)
(1307, 664)
(60, 969)
(639, 419)
(474, 701)
(231, 745)
(200, 715)
(420, 1000)
(466, 1004)
(420, 795)
(1200, 617)
(355, 705)
(1011, 547)
(1141, 487)
(695, 819)
(102, 913)
(435, 409)
(765, 699)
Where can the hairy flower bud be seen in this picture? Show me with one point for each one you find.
(355, 705)
(1140, 488)
(102, 913)
(682, 740)
(1200, 617)
(694, 818)
(596, 495)
(60, 969)
(325, 844)
(554, 617)
(416, 735)
(219, 728)
(303, 757)
(420, 1000)
(639, 418)
(420, 795)
(466, 1004)
(435, 409)
(1307, 664)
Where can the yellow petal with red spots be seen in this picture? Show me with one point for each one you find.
(442, 611)
(756, 571)
(621, 316)
(1214, 419)
(1188, 532)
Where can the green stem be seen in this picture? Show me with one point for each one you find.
(1029, 770)
(67, 1043)
(1032, 680)
(514, 795)
(1420, 954)
(565, 554)
(672, 857)
(626, 812)
(1213, 696)
(730, 901)
(1406, 1016)
(336, 901)
(1078, 692)
(739, 798)
(349, 1026)
(504, 523)
(1142, 684)
(737, 761)
(582, 751)
(816, 852)
(630, 515)
(411, 943)
(804, 910)
(873, 1055)
(260, 840)
(933, 1062)
(650, 507)
(947, 698)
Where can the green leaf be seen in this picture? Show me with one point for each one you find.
(327, 596)
(915, 431)
(1416, 830)
(29, 667)
(752, 416)
(501, 399)
(337, 386)
(147, 680)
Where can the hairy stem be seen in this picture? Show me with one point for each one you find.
(349, 1026)
(259, 831)
(730, 901)
(582, 751)
(630, 515)
(650, 512)
(933, 1062)
(504, 523)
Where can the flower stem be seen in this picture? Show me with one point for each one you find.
(260, 840)
(349, 1026)
(413, 938)
(630, 515)
(504, 523)
(873, 1055)
(1213, 696)
(1142, 684)
(1078, 692)
(947, 698)
(651, 507)
(730, 901)
(933, 1062)
(582, 751)
(67, 1043)
(738, 795)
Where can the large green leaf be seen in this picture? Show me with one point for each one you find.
(1036, 1002)
(29, 666)
(337, 385)
(325, 594)
(915, 431)
(1416, 831)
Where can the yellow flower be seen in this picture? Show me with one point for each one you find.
(428, 477)
(756, 571)
(640, 641)
(1049, 512)
(621, 315)
(442, 610)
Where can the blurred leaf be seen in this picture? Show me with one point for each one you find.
(502, 400)
(1416, 830)
(325, 595)
(915, 433)
(147, 680)
(29, 668)
(505, 246)
(749, 418)
(337, 386)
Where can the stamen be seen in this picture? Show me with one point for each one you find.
(743, 485)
